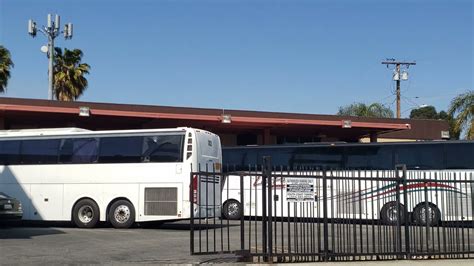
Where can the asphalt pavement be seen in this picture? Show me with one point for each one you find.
(61, 243)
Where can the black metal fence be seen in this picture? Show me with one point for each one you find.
(273, 214)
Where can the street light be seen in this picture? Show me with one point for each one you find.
(51, 31)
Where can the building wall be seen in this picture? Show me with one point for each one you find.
(367, 140)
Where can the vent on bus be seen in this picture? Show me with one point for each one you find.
(190, 147)
(161, 201)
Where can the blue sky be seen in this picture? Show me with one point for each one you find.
(288, 56)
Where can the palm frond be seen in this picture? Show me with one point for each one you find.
(70, 82)
(462, 109)
(6, 64)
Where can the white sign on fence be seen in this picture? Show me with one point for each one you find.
(299, 189)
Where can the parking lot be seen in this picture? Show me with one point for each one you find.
(61, 243)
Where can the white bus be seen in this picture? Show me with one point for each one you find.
(120, 176)
(439, 180)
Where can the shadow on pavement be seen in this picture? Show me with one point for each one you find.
(7, 232)
(185, 225)
(45, 224)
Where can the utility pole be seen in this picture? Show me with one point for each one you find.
(398, 76)
(51, 31)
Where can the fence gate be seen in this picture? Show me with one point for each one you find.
(274, 214)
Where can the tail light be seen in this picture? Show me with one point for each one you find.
(194, 189)
(217, 167)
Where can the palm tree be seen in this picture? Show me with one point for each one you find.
(69, 81)
(462, 109)
(6, 64)
(361, 109)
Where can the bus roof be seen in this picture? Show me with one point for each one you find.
(345, 144)
(16, 133)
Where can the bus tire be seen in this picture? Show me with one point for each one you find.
(420, 217)
(122, 214)
(232, 209)
(389, 215)
(85, 213)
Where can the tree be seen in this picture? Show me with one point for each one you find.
(6, 64)
(462, 110)
(69, 82)
(427, 112)
(361, 109)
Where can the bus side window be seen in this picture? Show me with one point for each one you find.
(120, 149)
(408, 155)
(40, 151)
(460, 156)
(9, 152)
(279, 157)
(80, 150)
(318, 158)
(166, 148)
(369, 157)
(423, 156)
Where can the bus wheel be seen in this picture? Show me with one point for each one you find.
(122, 214)
(426, 213)
(389, 213)
(232, 209)
(85, 213)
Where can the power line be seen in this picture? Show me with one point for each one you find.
(411, 102)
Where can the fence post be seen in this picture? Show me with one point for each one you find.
(264, 207)
(242, 204)
(405, 210)
(399, 181)
(268, 169)
(191, 210)
(325, 218)
(428, 216)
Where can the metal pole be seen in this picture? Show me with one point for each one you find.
(405, 214)
(264, 209)
(50, 68)
(51, 31)
(398, 248)
(191, 210)
(266, 202)
(242, 224)
(268, 166)
(325, 218)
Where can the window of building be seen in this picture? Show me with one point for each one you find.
(247, 139)
(297, 139)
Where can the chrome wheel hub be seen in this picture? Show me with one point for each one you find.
(122, 214)
(233, 209)
(427, 214)
(392, 213)
(85, 214)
